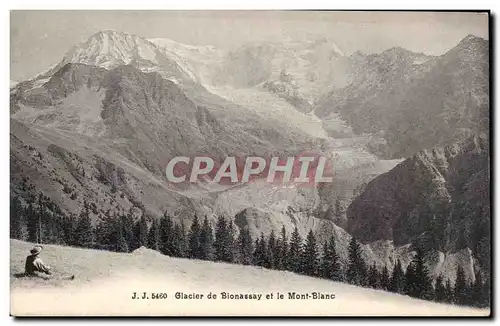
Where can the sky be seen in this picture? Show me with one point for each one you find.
(39, 39)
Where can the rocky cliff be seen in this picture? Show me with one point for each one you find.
(438, 200)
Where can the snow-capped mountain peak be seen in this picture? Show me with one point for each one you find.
(324, 44)
(109, 49)
(172, 45)
(198, 61)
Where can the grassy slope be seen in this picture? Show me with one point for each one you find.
(105, 281)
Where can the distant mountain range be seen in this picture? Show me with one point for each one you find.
(302, 71)
(414, 101)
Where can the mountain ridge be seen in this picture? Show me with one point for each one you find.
(437, 200)
(446, 96)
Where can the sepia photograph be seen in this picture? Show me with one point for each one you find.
(182, 163)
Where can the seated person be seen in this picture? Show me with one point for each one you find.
(34, 265)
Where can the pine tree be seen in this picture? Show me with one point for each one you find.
(49, 227)
(179, 242)
(61, 224)
(84, 231)
(469, 294)
(310, 262)
(384, 279)
(141, 232)
(40, 216)
(166, 235)
(194, 238)
(33, 223)
(104, 230)
(374, 277)
(477, 289)
(184, 240)
(324, 268)
(16, 218)
(224, 241)
(261, 253)
(127, 221)
(121, 244)
(460, 293)
(480, 291)
(110, 233)
(330, 268)
(154, 239)
(449, 292)
(485, 294)
(294, 252)
(220, 236)
(356, 269)
(272, 247)
(256, 252)
(232, 247)
(206, 240)
(245, 246)
(67, 226)
(423, 281)
(411, 281)
(176, 239)
(282, 250)
(440, 290)
(397, 282)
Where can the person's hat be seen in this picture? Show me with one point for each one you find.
(36, 250)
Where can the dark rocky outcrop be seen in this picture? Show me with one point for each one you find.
(438, 200)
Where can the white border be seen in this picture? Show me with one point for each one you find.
(254, 4)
